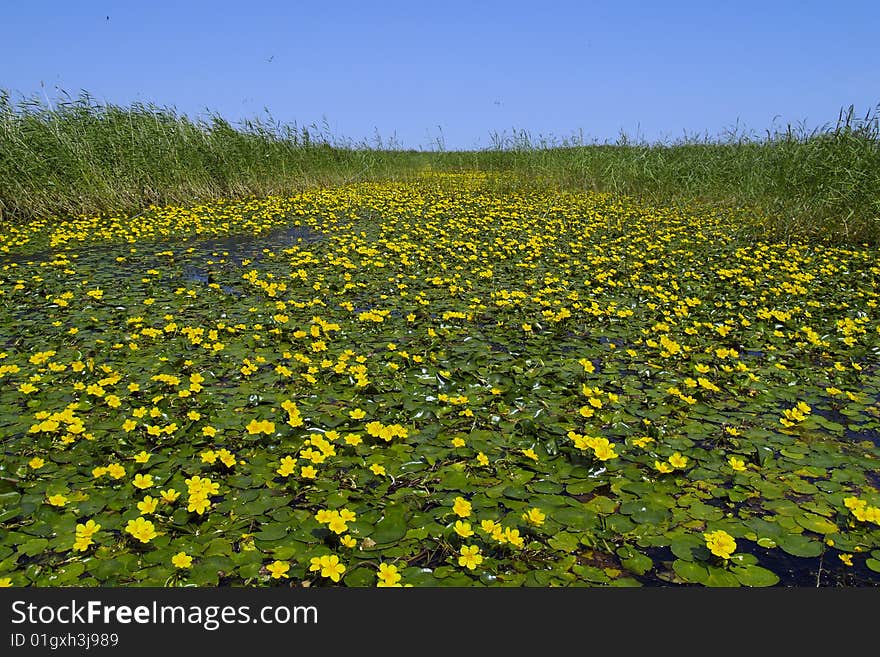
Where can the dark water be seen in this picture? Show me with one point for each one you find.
(191, 253)
(234, 249)
(826, 571)
(241, 247)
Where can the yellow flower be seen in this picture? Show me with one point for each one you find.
(865, 513)
(287, 467)
(737, 464)
(846, 558)
(84, 533)
(377, 469)
(663, 466)
(490, 526)
(57, 500)
(513, 537)
(182, 560)
(226, 457)
(482, 459)
(260, 426)
(605, 451)
(209, 431)
(388, 576)
(330, 567)
(36, 463)
(458, 442)
(5, 582)
(116, 471)
(325, 515)
(463, 528)
(81, 543)
(470, 556)
(201, 486)
(142, 457)
(348, 541)
(148, 505)
(142, 481)
(209, 456)
(461, 507)
(88, 529)
(199, 503)
(353, 439)
(169, 495)
(534, 516)
(357, 414)
(678, 461)
(530, 453)
(720, 543)
(308, 472)
(337, 525)
(278, 569)
(142, 529)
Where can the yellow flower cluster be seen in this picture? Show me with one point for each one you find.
(200, 490)
(862, 511)
(386, 432)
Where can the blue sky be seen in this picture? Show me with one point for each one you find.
(454, 73)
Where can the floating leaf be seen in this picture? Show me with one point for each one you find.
(392, 527)
(272, 532)
(816, 524)
(752, 575)
(690, 571)
(799, 546)
(719, 577)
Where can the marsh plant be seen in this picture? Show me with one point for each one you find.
(434, 383)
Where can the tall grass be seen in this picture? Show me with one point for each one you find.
(820, 184)
(81, 156)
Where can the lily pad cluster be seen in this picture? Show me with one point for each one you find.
(439, 382)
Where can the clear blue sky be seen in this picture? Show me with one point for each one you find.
(455, 72)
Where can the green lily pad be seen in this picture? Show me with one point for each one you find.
(689, 547)
(564, 541)
(690, 571)
(638, 563)
(392, 527)
(719, 577)
(799, 546)
(33, 547)
(754, 576)
(272, 532)
(360, 577)
(817, 524)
